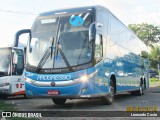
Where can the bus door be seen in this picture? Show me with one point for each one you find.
(17, 70)
(100, 79)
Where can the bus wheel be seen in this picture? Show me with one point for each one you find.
(108, 99)
(140, 91)
(59, 101)
(144, 87)
(25, 96)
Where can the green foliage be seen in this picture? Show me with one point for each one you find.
(144, 54)
(154, 57)
(154, 80)
(6, 107)
(148, 33)
(11, 107)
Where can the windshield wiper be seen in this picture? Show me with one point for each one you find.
(81, 53)
(64, 58)
(52, 46)
(44, 59)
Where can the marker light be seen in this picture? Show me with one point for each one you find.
(28, 80)
(53, 84)
(4, 84)
(84, 78)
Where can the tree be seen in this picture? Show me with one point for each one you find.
(148, 33)
(154, 57)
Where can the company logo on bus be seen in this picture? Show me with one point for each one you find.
(54, 77)
(29, 74)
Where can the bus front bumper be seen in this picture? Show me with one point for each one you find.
(89, 96)
(73, 91)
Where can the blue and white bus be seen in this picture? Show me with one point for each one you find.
(84, 52)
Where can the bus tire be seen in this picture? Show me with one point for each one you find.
(144, 87)
(59, 101)
(140, 91)
(108, 99)
(25, 96)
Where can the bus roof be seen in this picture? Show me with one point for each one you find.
(84, 9)
(70, 10)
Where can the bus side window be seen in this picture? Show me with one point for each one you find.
(98, 48)
(18, 65)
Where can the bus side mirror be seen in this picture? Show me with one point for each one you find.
(92, 32)
(19, 33)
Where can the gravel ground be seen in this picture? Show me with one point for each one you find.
(122, 101)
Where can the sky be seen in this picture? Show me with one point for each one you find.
(19, 14)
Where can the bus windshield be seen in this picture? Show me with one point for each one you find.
(66, 36)
(5, 61)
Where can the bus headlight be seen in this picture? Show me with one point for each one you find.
(84, 78)
(28, 80)
(4, 84)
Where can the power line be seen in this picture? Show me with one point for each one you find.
(29, 13)
(18, 12)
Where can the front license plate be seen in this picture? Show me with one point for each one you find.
(53, 92)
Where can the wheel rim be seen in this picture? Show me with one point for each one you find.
(111, 93)
(140, 89)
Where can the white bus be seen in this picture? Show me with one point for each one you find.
(12, 62)
(11, 70)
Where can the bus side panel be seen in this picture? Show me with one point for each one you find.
(101, 81)
(129, 72)
(122, 56)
